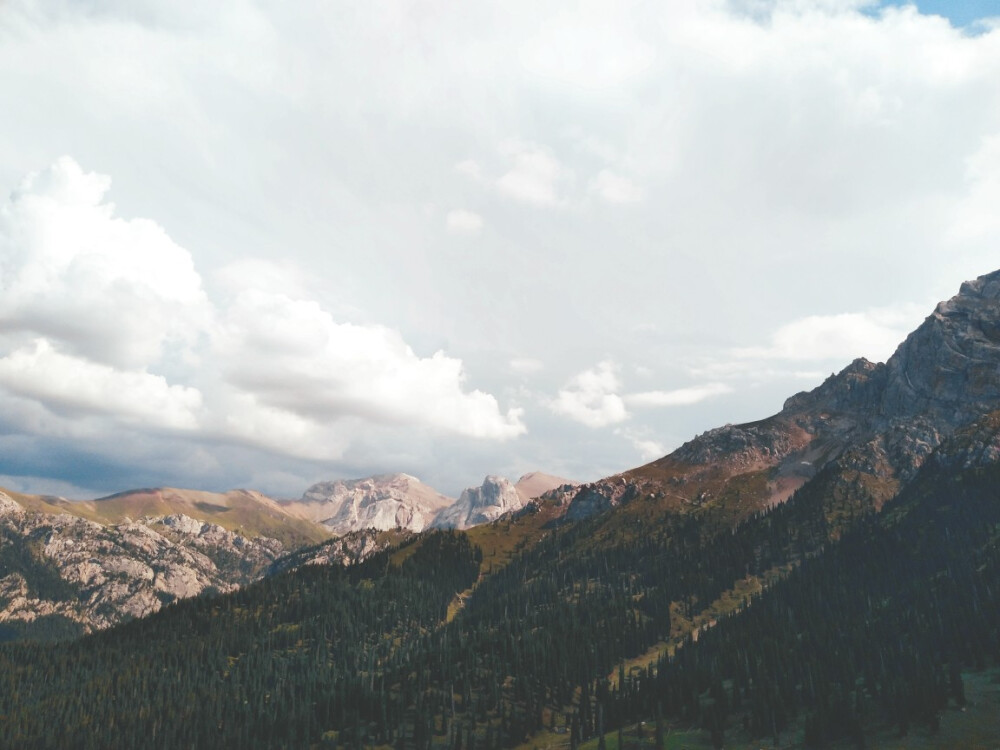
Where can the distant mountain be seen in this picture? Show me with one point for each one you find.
(536, 483)
(383, 502)
(68, 567)
(495, 497)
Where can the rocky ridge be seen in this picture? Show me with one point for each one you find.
(96, 575)
(873, 424)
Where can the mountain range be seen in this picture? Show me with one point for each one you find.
(71, 567)
(823, 577)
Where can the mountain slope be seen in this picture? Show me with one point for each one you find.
(246, 512)
(814, 577)
(878, 422)
(61, 575)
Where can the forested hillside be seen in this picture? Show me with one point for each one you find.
(874, 623)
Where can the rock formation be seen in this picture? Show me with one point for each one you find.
(494, 498)
(383, 502)
(96, 575)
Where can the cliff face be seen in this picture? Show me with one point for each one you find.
(873, 423)
(382, 502)
(948, 370)
(494, 498)
(95, 575)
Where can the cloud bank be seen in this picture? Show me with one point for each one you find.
(107, 317)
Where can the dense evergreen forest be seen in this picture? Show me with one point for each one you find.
(875, 620)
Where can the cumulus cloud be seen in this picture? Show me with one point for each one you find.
(874, 334)
(791, 159)
(76, 386)
(678, 397)
(104, 316)
(108, 289)
(591, 397)
(460, 221)
(292, 355)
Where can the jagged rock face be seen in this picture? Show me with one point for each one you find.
(100, 575)
(879, 421)
(477, 505)
(949, 368)
(743, 446)
(600, 496)
(976, 446)
(384, 502)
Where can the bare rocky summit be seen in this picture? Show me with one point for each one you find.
(384, 502)
(477, 505)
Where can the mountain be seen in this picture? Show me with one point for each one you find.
(384, 502)
(74, 566)
(536, 483)
(63, 575)
(825, 577)
(873, 424)
(495, 497)
(249, 513)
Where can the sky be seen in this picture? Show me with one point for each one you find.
(256, 244)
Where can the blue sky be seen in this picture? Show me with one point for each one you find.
(961, 13)
(242, 246)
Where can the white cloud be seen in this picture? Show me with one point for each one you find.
(113, 290)
(460, 221)
(591, 397)
(976, 214)
(614, 188)
(794, 158)
(70, 384)
(106, 317)
(536, 176)
(649, 449)
(591, 56)
(874, 334)
(678, 397)
(291, 355)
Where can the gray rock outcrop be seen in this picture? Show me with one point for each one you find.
(98, 575)
(384, 502)
(477, 505)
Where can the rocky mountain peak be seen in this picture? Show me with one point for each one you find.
(494, 498)
(874, 423)
(382, 502)
(854, 388)
(949, 368)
